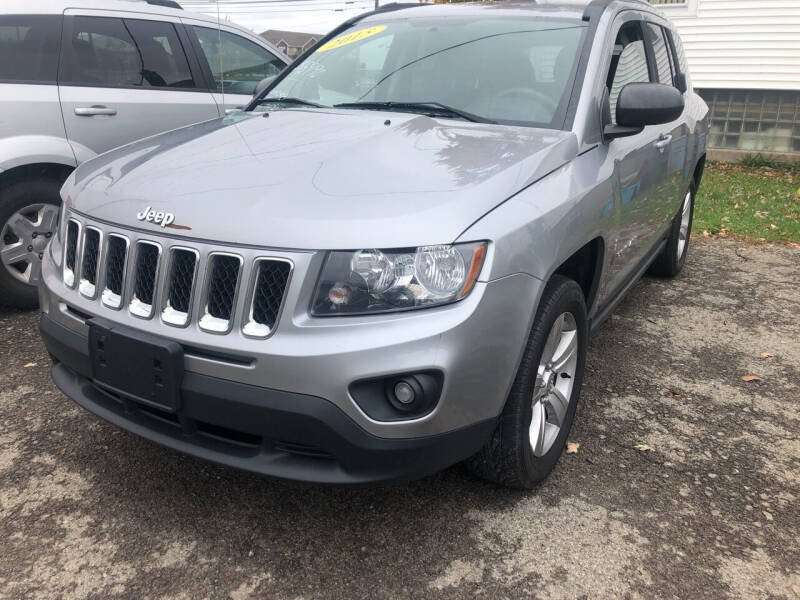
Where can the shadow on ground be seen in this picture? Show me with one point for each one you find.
(707, 508)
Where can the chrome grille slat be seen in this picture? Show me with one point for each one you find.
(116, 256)
(71, 252)
(145, 279)
(90, 261)
(179, 286)
(266, 299)
(224, 272)
(184, 284)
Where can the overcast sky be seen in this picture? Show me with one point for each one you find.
(312, 16)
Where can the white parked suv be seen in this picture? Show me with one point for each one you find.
(80, 77)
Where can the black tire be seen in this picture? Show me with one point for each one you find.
(14, 197)
(508, 457)
(668, 263)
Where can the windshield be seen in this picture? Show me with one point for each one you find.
(496, 69)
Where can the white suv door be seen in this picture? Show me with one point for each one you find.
(235, 63)
(125, 77)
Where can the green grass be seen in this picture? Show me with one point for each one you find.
(757, 203)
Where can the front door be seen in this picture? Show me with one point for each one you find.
(640, 166)
(674, 136)
(122, 79)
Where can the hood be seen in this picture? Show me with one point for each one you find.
(318, 179)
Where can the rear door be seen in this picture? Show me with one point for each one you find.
(234, 63)
(125, 77)
(30, 116)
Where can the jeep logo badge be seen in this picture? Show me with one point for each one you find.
(159, 218)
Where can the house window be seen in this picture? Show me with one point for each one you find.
(754, 120)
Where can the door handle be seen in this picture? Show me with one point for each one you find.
(97, 109)
(663, 142)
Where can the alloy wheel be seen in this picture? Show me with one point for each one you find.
(23, 240)
(555, 378)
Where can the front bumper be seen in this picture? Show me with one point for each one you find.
(275, 433)
(282, 406)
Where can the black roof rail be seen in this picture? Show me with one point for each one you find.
(165, 3)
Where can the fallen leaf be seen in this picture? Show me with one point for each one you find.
(673, 394)
(572, 447)
(29, 365)
(749, 378)
(766, 355)
(643, 448)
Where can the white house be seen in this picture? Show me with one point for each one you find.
(744, 57)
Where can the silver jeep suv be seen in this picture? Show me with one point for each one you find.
(392, 260)
(81, 77)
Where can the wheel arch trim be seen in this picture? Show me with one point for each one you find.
(25, 150)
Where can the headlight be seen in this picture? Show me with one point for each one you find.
(373, 281)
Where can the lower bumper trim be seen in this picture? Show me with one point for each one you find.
(270, 432)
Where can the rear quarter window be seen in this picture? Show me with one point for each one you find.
(29, 48)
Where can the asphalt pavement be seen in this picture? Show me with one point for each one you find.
(685, 483)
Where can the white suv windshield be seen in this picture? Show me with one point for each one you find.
(499, 69)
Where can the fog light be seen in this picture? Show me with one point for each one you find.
(404, 393)
(399, 397)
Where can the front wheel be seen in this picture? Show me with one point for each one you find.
(540, 408)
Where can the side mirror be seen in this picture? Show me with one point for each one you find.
(262, 85)
(642, 104)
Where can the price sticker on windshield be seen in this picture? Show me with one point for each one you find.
(349, 38)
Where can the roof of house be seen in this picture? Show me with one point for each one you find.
(295, 39)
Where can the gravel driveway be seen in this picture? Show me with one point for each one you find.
(686, 483)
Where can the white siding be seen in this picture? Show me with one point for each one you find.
(740, 44)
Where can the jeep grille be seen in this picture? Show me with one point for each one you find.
(214, 289)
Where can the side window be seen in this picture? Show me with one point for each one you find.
(123, 53)
(671, 56)
(100, 51)
(681, 68)
(628, 64)
(165, 63)
(676, 41)
(660, 53)
(237, 64)
(29, 47)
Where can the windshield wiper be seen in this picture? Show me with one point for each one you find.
(289, 100)
(430, 108)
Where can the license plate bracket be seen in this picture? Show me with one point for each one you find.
(137, 365)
